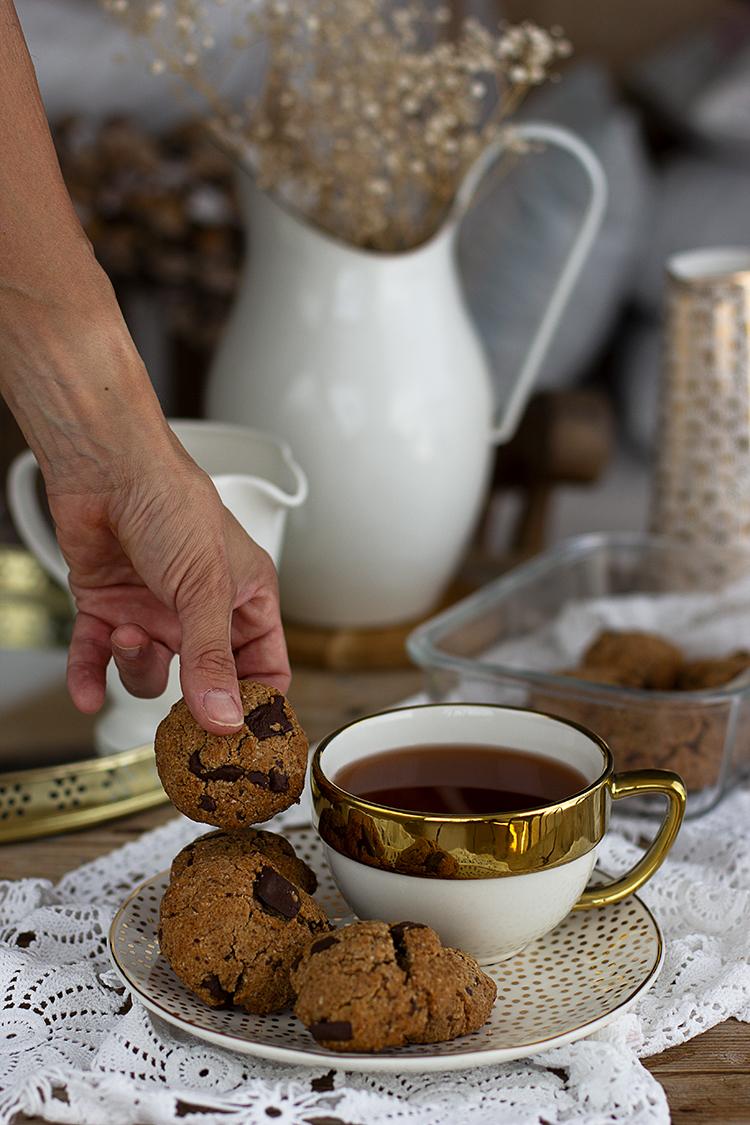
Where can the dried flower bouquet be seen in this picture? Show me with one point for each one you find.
(363, 115)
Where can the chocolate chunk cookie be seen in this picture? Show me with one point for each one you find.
(371, 985)
(641, 659)
(699, 675)
(232, 927)
(240, 779)
(247, 841)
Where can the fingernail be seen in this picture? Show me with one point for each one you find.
(222, 708)
(130, 651)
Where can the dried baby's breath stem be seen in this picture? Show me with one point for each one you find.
(368, 113)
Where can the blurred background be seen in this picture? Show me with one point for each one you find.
(660, 91)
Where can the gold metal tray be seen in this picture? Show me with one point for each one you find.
(62, 798)
(55, 796)
(34, 611)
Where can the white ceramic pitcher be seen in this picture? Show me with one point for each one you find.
(256, 477)
(369, 365)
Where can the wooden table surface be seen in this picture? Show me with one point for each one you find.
(706, 1080)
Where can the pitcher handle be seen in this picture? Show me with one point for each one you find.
(510, 413)
(29, 519)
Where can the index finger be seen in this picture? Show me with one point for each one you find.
(88, 656)
(264, 657)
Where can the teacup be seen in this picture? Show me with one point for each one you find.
(511, 876)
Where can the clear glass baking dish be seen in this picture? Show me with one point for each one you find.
(509, 641)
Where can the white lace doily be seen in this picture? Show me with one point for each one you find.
(74, 1049)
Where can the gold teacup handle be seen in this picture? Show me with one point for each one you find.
(631, 784)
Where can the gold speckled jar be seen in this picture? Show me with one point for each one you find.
(702, 480)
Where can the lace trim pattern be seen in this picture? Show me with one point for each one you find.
(75, 1049)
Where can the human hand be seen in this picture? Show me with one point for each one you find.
(159, 566)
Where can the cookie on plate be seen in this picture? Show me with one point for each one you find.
(248, 841)
(370, 986)
(232, 927)
(240, 779)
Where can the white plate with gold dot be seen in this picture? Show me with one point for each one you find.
(562, 987)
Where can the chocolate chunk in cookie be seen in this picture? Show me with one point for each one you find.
(370, 986)
(247, 841)
(332, 1031)
(276, 894)
(268, 719)
(240, 779)
(231, 927)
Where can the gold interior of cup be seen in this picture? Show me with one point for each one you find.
(455, 845)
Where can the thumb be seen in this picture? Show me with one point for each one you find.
(207, 670)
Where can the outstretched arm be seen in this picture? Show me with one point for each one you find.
(157, 564)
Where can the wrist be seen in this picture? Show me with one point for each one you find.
(78, 388)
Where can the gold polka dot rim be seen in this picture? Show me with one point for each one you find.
(562, 987)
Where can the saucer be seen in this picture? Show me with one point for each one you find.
(562, 987)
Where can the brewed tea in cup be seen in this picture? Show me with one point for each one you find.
(460, 778)
(478, 820)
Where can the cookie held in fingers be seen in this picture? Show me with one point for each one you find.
(371, 986)
(236, 780)
(231, 928)
(247, 841)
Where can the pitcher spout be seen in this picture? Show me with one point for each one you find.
(254, 473)
(239, 492)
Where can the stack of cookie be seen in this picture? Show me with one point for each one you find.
(236, 916)
(238, 911)
(239, 925)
